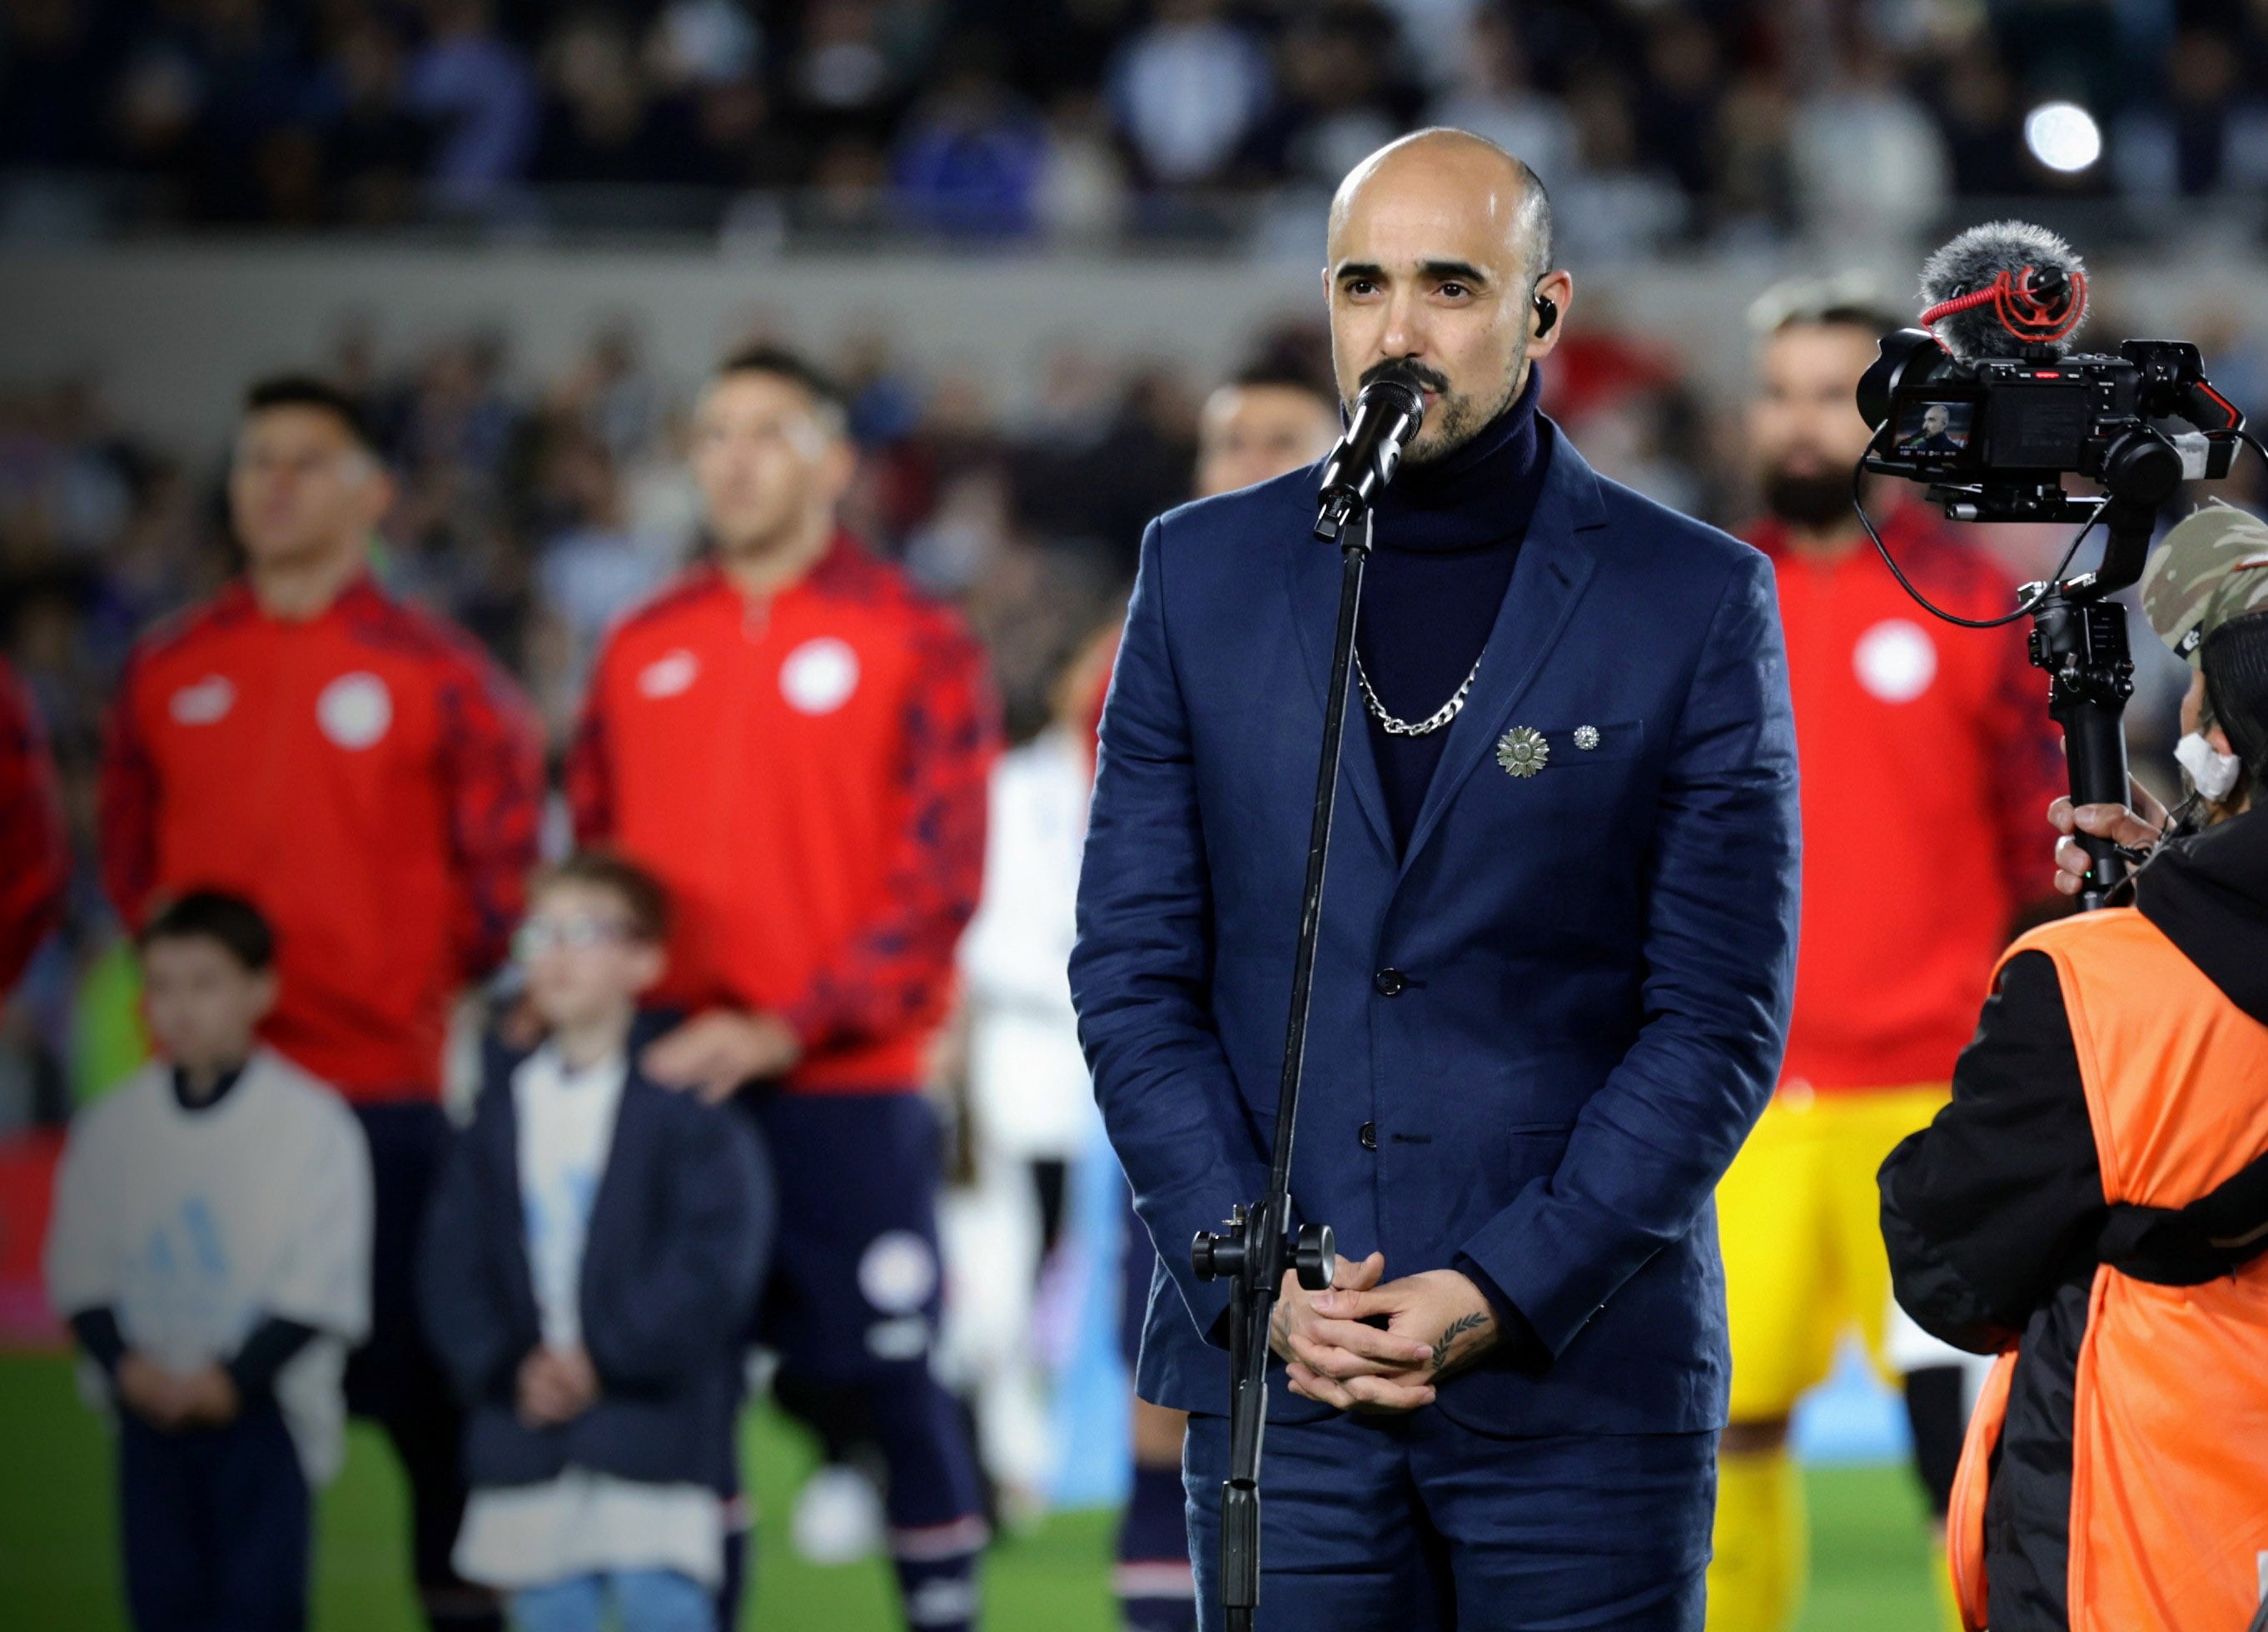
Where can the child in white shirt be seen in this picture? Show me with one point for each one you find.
(210, 1248)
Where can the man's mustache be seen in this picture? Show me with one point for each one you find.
(1432, 380)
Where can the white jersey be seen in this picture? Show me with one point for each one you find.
(1027, 1079)
(194, 1226)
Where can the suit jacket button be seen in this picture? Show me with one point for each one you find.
(1389, 982)
(1369, 1135)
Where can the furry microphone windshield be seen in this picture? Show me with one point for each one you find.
(2001, 287)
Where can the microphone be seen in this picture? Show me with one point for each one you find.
(2002, 288)
(1386, 418)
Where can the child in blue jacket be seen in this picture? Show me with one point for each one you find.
(589, 1266)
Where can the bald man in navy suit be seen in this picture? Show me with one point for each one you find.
(1553, 987)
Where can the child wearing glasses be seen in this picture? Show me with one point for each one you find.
(590, 1262)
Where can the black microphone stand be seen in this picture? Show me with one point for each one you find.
(1258, 1245)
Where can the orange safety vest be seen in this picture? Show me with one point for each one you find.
(2169, 1431)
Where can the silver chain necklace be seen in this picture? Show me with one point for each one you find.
(1433, 722)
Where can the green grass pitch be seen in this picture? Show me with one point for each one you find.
(58, 1567)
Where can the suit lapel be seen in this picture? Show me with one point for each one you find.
(1556, 563)
(1312, 570)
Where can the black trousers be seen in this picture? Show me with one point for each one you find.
(393, 1380)
(214, 1523)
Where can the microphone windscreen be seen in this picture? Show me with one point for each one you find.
(1402, 375)
(2050, 301)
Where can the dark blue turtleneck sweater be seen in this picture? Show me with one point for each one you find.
(1445, 539)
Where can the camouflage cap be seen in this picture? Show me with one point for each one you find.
(2213, 567)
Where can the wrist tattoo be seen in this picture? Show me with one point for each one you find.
(1451, 1333)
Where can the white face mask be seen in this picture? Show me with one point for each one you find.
(2211, 772)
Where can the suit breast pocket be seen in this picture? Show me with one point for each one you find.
(1587, 785)
(1572, 748)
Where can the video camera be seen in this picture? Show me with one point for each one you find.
(1985, 404)
(1994, 436)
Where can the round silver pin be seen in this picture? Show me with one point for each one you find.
(1586, 738)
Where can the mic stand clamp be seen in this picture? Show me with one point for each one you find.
(1258, 1245)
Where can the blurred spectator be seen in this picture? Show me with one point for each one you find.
(703, 42)
(1186, 89)
(2184, 147)
(1676, 98)
(56, 77)
(1491, 96)
(1614, 206)
(1870, 166)
(1082, 191)
(1983, 127)
(599, 124)
(376, 150)
(458, 417)
(1753, 191)
(971, 155)
(1343, 96)
(1030, 1108)
(477, 88)
(30, 831)
(1436, 33)
(843, 68)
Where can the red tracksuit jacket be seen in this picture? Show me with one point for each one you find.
(34, 853)
(368, 777)
(807, 773)
(1928, 763)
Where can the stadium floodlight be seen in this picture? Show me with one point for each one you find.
(2063, 135)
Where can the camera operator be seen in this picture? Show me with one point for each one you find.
(2214, 567)
(2074, 1208)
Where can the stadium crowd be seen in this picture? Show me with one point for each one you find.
(1653, 122)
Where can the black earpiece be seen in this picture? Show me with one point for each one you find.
(1547, 314)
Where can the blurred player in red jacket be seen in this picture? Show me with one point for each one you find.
(1928, 763)
(798, 743)
(36, 870)
(372, 781)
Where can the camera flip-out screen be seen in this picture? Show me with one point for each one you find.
(1932, 428)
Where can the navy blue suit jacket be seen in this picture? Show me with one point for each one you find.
(1595, 963)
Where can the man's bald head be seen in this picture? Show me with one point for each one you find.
(1472, 164)
(1441, 245)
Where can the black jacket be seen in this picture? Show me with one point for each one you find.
(1994, 1214)
(679, 1234)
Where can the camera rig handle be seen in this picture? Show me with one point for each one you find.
(2079, 637)
(2081, 641)
(1258, 1245)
